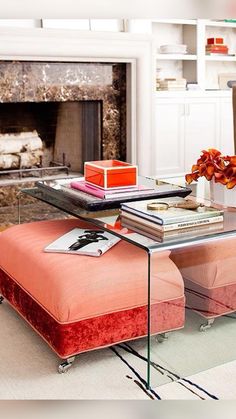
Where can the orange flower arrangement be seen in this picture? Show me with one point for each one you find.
(214, 166)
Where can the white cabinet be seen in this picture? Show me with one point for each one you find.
(226, 143)
(201, 130)
(185, 126)
(169, 137)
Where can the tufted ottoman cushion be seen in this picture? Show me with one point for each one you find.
(209, 276)
(77, 303)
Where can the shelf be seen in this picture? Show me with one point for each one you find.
(176, 57)
(219, 58)
(221, 24)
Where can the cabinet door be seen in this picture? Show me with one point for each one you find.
(201, 128)
(226, 141)
(169, 137)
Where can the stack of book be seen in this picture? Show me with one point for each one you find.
(172, 84)
(158, 224)
(173, 49)
(115, 193)
(216, 46)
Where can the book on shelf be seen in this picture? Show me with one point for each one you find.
(172, 215)
(162, 229)
(173, 82)
(217, 48)
(174, 234)
(83, 242)
(83, 186)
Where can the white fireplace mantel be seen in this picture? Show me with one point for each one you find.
(135, 50)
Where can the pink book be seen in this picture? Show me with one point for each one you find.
(83, 186)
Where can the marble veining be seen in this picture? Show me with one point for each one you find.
(63, 81)
(30, 81)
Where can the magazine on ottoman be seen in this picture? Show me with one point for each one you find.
(83, 242)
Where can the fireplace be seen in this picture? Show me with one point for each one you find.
(126, 133)
(77, 110)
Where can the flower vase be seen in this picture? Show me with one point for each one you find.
(221, 195)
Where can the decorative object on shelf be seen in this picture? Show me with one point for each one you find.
(215, 41)
(173, 49)
(216, 46)
(220, 171)
(226, 80)
(193, 85)
(173, 84)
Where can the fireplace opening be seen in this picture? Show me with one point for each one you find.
(44, 134)
(56, 115)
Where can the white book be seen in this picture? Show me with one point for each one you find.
(89, 242)
(172, 215)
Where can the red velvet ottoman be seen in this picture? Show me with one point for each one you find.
(79, 303)
(208, 271)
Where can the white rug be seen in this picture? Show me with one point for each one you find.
(29, 367)
(219, 381)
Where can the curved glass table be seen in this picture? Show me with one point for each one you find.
(187, 351)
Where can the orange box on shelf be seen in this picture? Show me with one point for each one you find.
(109, 174)
(216, 41)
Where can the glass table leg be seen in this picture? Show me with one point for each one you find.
(149, 322)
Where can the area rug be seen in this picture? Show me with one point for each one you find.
(29, 367)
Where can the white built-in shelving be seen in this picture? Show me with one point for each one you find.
(189, 121)
(195, 66)
(204, 69)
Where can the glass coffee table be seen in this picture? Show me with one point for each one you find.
(206, 260)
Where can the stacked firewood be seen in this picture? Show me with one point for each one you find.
(20, 150)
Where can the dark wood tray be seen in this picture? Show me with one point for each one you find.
(92, 203)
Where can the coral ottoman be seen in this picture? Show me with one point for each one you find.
(209, 276)
(79, 303)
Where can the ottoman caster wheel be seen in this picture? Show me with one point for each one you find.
(66, 365)
(205, 326)
(1, 299)
(162, 337)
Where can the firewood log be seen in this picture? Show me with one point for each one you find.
(9, 161)
(28, 160)
(19, 143)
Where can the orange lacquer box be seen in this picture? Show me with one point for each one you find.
(109, 174)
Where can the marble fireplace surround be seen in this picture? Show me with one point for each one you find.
(77, 109)
(75, 46)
